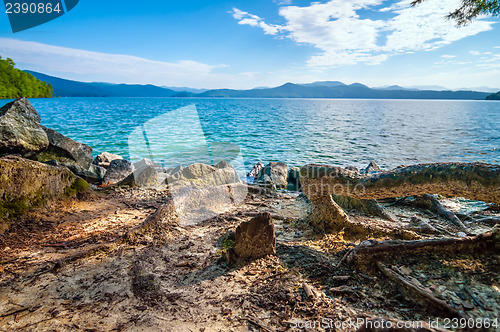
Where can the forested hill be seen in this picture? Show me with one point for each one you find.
(495, 96)
(16, 83)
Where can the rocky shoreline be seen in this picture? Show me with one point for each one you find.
(103, 244)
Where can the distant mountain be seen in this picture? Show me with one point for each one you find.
(185, 89)
(481, 88)
(393, 87)
(495, 96)
(340, 90)
(428, 87)
(325, 89)
(330, 84)
(69, 88)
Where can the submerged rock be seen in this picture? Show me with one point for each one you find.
(65, 150)
(255, 238)
(104, 159)
(118, 170)
(20, 129)
(277, 172)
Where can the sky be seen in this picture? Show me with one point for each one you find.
(245, 44)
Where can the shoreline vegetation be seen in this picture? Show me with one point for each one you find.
(15, 83)
(102, 244)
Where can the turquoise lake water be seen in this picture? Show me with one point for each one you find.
(295, 131)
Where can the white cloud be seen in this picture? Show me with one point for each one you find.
(448, 56)
(336, 29)
(113, 68)
(245, 18)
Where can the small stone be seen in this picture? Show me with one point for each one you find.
(256, 238)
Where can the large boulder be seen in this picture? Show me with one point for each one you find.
(104, 159)
(65, 150)
(277, 172)
(118, 170)
(25, 183)
(20, 130)
(255, 238)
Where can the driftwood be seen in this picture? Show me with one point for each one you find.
(476, 181)
(431, 203)
(426, 295)
(371, 250)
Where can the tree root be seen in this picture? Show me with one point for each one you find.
(474, 181)
(367, 206)
(370, 251)
(422, 293)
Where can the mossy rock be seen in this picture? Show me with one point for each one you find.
(26, 183)
(80, 186)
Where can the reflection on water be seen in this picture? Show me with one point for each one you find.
(298, 131)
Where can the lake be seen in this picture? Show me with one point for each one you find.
(295, 131)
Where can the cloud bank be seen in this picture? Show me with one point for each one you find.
(113, 68)
(346, 32)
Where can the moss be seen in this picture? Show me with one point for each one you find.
(13, 208)
(78, 187)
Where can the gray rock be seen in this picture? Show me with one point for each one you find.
(278, 172)
(20, 130)
(202, 176)
(118, 170)
(65, 150)
(99, 171)
(104, 159)
(372, 167)
(85, 174)
(198, 170)
(294, 179)
(255, 238)
(144, 175)
(222, 164)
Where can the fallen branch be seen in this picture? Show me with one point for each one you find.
(427, 296)
(430, 202)
(369, 250)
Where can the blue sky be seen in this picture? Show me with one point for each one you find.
(245, 44)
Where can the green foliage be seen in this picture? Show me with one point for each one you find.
(12, 208)
(15, 83)
(470, 9)
(495, 96)
(78, 187)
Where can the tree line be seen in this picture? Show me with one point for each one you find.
(15, 83)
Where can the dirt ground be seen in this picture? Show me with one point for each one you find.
(185, 284)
